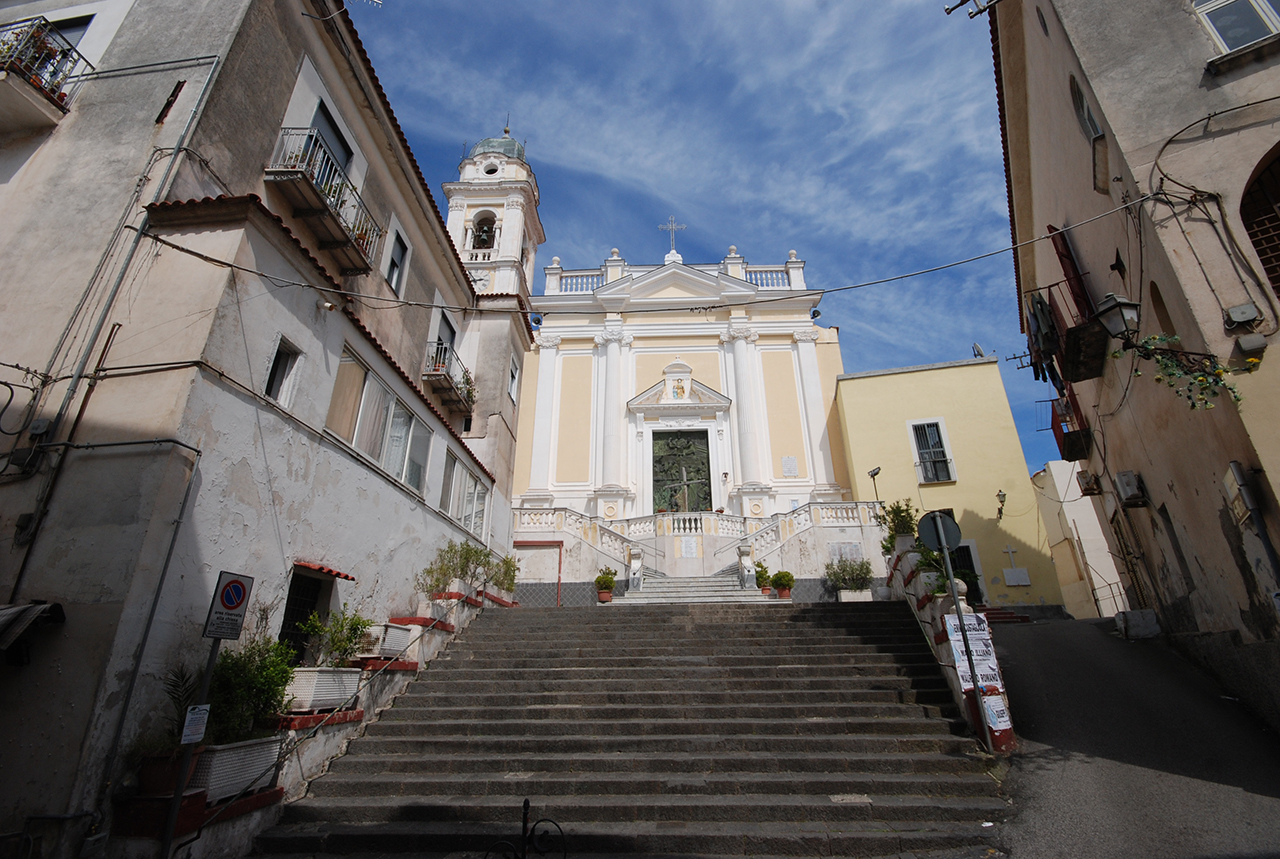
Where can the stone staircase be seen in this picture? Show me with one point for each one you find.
(719, 589)
(673, 731)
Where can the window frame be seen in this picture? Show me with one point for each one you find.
(513, 386)
(398, 470)
(288, 377)
(464, 496)
(918, 457)
(1268, 14)
(395, 279)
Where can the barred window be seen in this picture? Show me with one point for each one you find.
(933, 465)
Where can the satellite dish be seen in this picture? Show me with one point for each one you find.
(977, 351)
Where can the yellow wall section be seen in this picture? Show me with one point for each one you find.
(831, 366)
(524, 438)
(786, 435)
(573, 446)
(706, 368)
(986, 453)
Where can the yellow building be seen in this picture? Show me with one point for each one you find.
(942, 435)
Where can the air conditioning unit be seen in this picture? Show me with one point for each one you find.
(1129, 488)
(1089, 482)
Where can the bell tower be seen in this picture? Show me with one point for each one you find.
(493, 216)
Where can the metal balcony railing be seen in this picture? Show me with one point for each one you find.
(303, 151)
(449, 377)
(34, 50)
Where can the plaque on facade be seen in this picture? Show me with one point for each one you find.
(790, 467)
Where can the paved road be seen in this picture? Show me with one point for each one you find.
(1128, 751)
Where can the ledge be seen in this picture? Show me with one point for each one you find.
(428, 622)
(1250, 53)
(144, 816)
(303, 723)
(499, 600)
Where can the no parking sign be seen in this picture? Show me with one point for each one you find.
(230, 603)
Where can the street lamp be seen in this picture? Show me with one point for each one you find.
(1120, 317)
(872, 474)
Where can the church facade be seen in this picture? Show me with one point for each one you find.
(679, 418)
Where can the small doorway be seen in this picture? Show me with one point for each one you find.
(681, 471)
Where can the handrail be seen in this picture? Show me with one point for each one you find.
(305, 150)
(38, 52)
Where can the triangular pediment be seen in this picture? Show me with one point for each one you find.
(698, 399)
(674, 283)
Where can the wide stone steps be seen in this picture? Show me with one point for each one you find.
(691, 590)
(676, 730)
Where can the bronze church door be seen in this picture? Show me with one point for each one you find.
(681, 471)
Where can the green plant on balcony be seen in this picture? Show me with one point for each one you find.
(340, 638)
(467, 386)
(1194, 377)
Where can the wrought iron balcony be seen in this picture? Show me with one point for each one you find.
(40, 73)
(314, 181)
(449, 377)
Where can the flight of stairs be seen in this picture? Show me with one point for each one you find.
(666, 590)
(677, 730)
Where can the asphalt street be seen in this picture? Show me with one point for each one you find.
(1129, 751)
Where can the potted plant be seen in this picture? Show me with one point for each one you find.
(762, 577)
(246, 694)
(468, 563)
(784, 582)
(605, 583)
(330, 683)
(850, 579)
(899, 519)
(160, 756)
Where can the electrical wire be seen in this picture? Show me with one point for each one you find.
(402, 302)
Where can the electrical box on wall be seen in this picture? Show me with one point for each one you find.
(1089, 483)
(1129, 488)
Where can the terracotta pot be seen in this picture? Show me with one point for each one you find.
(765, 590)
(784, 593)
(605, 596)
(158, 774)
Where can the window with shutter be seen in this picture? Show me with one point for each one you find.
(931, 453)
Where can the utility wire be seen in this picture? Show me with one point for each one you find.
(402, 302)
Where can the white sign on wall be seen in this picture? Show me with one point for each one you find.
(984, 654)
(229, 605)
(193, 727)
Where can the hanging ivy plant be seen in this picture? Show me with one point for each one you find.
(1195, 377)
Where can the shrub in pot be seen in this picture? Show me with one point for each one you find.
(899, 519)
(331, 683)
(467, 562)
(850, 579)
(246, 695)
(762, 577)
(605, 583)
(784, 582)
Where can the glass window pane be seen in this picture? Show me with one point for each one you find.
(446, 486)
(345, 403)
(397, 440)
(372, 427)
(1238, 24)
(415, 471)
(477, 522)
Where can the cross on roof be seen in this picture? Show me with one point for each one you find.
(671, 227)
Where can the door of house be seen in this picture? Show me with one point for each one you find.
(681, 471)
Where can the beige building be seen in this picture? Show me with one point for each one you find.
(1143, 136)
(943, 437)
(674, 414)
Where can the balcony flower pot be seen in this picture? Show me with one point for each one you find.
(605, 596)
(321, 688)
(784, 593)
(847, 595)
(766, 590)
(223, 771)
(158, 774)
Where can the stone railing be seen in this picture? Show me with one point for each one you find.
(581, 282)
(768, 276)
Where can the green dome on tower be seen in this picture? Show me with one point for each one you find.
(504, 145)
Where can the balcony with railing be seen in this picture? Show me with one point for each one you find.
(316, 184)
(40, 73)
(449, 377)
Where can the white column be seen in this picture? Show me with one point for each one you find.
(748, 413)
(612, 472)
(814, 407)
(540, 468)
(457, 221)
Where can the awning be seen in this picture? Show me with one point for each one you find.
(321, 568)
(14, 619)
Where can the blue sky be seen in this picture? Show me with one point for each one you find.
(862, 134)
